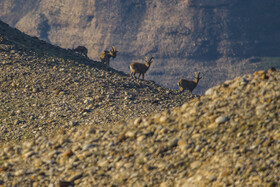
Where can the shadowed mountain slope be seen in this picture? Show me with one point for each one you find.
(220, 38)
(46, 87)
(166, 29)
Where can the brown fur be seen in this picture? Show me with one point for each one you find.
(106, 55)
(188, 84)
(81, 50)
(140, 68)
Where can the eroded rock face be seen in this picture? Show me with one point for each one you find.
(217, 37)
(165, 29)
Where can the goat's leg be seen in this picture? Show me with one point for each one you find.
(107, 64)
(181, 89)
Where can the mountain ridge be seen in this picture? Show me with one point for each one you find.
(65, 121)
(36, 72)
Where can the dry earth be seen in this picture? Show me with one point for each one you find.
(88, 127)
(44, 87)
(230, 136)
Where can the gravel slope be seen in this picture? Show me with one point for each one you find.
(230, 136)
(89, 127)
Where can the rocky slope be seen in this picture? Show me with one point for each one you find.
(184, 36)
(229, 136)
(44, 88)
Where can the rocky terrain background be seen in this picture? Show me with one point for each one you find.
(66, 122)
(222, 39)
(46, 87)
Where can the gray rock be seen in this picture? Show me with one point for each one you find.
(221, 119)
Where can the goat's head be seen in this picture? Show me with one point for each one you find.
(197, 76)
(149, 61)
(113, 52)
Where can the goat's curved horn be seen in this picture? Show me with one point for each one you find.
(113, 48)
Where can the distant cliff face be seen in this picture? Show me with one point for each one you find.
(163, 28)
(183, 35)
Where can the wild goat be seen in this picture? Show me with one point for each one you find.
(140, 68)
(81, 50)
(106, 55)
(187, 84)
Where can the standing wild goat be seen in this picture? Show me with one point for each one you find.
(189, 85)
(81, 50)
(106, 55)
(136, 67)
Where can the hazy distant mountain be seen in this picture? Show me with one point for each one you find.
(172, 31)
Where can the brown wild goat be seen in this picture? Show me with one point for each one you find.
(140, 68)
(81, 50)
(187, 84)
(106, 55)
